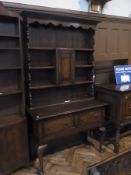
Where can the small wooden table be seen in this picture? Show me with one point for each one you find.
(119, 99)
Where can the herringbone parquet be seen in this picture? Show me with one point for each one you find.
(75, 160)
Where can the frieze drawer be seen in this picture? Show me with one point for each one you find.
(55, 125)
(90, 118)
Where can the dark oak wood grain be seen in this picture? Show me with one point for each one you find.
(59, 54)
(13, 126)
(118, 97)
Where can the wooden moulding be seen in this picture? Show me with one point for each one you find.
(61, 23)
(7, 13)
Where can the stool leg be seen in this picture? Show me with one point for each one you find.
(40, 152)
(116, 146)
(103, 133)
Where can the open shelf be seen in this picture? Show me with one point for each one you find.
(13, 49)
(60, 62)
(41, 67)
(4, 35)
(41, 86)
(66, 48)
(83, 82)
(83, 66)
(9, 92)
(10, 68)
(83, 75)
(66, 83)
(84, 49)
(9, 28)
(11, 77)
(41, 48)
(65, 108)
(11, 104)
(43, 59)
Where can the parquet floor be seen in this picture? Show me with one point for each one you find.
(76, 160)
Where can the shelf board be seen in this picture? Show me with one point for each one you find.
(41, 67)
(42, 86)
(55, 48)
(10, 68)
(35, 87)
(11, 120)
(41, 48)
(65, 108)
(84, 66)
(9, 35)
(83, 82)
(76, 49)
(66, 84)
(10, 49)
(84, 49)
(9, 92)
(75, 83)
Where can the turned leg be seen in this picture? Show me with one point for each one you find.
(88, 135)
(117, 140)
(103, 133)
(40, 152)
(93, 171)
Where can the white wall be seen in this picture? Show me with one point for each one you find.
(65, 4)
(118, 7)
(114, 7)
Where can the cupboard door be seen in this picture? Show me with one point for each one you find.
(13, 145)
(65, 66)
(56, 125)
(91, 119)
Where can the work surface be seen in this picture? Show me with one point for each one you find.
(78, 159)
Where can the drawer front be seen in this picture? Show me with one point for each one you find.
(127, 106)
(91, 118)
(55, 125)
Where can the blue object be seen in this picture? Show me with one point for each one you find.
(122, 74)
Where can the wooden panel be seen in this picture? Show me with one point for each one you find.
(127, 107)
(104, 70)
(101, 42)
(129, 61)
(112, 41)
(65, 66)
(109, 98)
(13, 149)
(55, 125)
(125, 43)
(89, 118)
